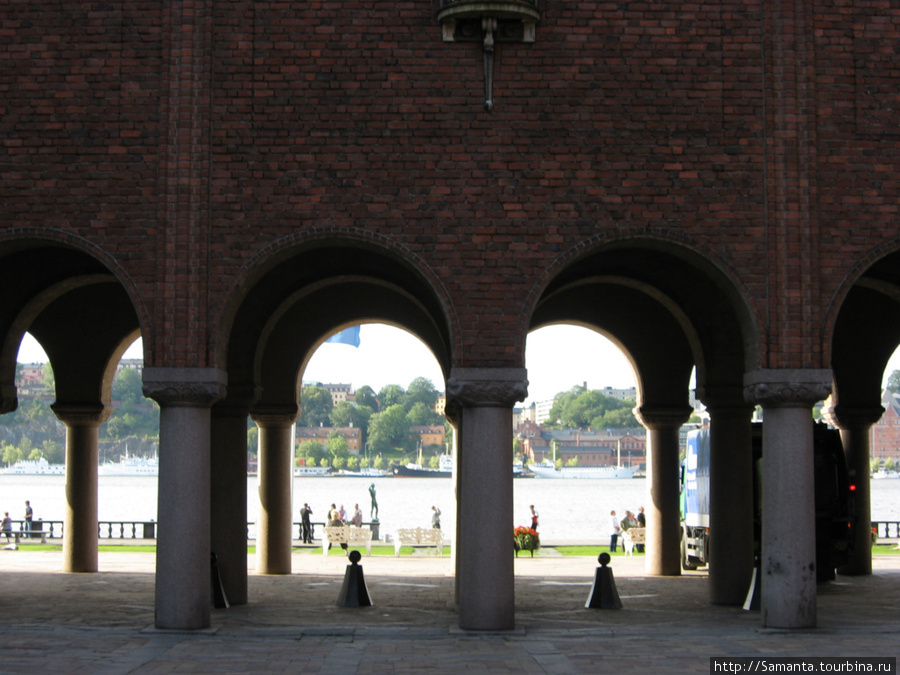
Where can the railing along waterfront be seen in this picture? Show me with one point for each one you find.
(886, 529)
(130, 529)
(106, 529)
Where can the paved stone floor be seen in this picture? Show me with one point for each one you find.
(103, 623)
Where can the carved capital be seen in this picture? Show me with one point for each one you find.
(852, 417)
(272, 416)
(486, 387)
(662, 418)
(82, 414)
(787, 388)
(184, 387)
(238, 401)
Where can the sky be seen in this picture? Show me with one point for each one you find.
(556, 357)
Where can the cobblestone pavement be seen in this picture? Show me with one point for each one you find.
(103, 623)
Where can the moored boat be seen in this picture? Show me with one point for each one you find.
(444, 470)
(131, 466)
(312, 472)
(547, 470)
(36, 467)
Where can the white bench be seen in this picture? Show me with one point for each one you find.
(419, 536)
(347, 534)
(632, 536)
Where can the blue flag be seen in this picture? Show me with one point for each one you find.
(349, 336)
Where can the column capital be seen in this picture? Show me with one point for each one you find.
(237, 401)
(185, 387)
(656, 418)
(787, 387)
(487, 387)
(82, 414)
(274, 416)
(725, 400)
(852, 417)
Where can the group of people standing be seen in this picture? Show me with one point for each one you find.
(335, 517)
(617, 527)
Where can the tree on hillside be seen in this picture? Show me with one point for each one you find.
(365, 396)
(421, 390)
(388, 429)
(312, 451)
(345, 414)
(581, 407)
(391, 394)
(337, 446)
(893, 383)
(421, 415)
(315, 406)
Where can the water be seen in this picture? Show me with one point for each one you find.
(566, 507)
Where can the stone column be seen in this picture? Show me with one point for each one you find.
(183, 546)
(730, 498)
(228, 491)
(663, 547)
(788, 565)
(273, 529)
(855, 423)
(82, 456)
(486, 577)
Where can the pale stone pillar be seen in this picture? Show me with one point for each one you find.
(855, 423)
(788, 565)
(183, 585)
(730, 498)
(228, 492)
(82, 456)
(485, 566)
(663, 537)
(273, 529)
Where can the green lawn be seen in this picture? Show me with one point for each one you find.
(582, 551)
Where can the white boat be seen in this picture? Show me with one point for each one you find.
(36, 467)
(883, 473)
(312, 471)
(131, 466)
(548, 470)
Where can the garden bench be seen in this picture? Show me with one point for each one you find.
(347, 534)
(419, 537)
(631, 537)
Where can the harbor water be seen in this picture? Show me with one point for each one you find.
(568, 508)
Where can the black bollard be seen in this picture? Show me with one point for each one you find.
(219, 599)
(603, 593)
(354, 592)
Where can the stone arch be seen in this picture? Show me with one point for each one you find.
(77, 301)
(861, 328)
(275, 280)
(699, 300)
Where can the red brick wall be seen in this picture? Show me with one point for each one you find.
(185, 138)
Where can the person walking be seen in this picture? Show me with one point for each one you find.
(614, 529)
(436, 518)
(534, 518)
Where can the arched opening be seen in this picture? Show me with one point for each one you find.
(680, 318)
(282, 312)
(863, 345)
(81, 313)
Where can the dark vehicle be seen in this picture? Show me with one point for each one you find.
(833, 500)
